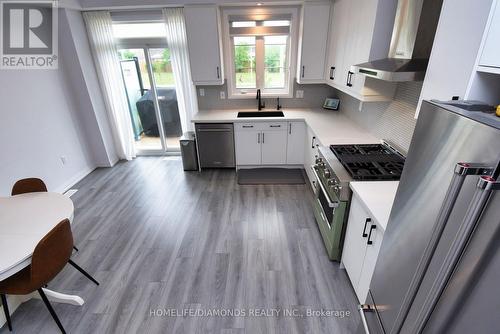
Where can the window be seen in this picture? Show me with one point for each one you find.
(258, 53)
(244, 62)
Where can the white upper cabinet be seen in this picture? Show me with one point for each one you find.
(451, 65)
(338, 37)
(295, 143)
(204, 44)
(312, 42)
(491, 50)
(360, 31)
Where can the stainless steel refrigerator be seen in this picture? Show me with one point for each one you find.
(438, 269)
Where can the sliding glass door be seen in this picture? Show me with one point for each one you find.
(152, 99)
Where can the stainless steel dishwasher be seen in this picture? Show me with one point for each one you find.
(215, 145)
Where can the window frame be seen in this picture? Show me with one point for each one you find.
(252, 14)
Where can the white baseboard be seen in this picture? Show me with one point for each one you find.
(72, 181)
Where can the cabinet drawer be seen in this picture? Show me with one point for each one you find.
(247, 126)
(275, 126)
(267, 126)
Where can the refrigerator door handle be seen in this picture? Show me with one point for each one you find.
(485, 186)
(362, 309)
(462, 170)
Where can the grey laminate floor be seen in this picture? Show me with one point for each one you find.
(158, 238)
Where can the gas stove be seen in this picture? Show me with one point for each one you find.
(370, 161)
(335, 167)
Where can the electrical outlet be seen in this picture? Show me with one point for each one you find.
(202, 91)
(222, 95)
(63, 160)
(299, 94)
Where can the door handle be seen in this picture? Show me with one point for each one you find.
(275, 126)
(369, 242)
(258, 138)
(303, 70)
(290, 128)
(349, 78)
(247, 126)
(262, 137)
(312, 142)
(364, 228)
(461, 171)
(362, 309)
(484, 188)
(218, 72)
(332, 71)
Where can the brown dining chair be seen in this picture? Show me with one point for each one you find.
(30, 185)
(49, 257)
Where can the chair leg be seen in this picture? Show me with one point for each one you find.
(6, 311)
(74, 247)
(83, 271)
(51, 310)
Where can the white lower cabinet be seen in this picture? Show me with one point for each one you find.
(269, 143)
(274, 147)
(248, 150)
(295, 143)
(361, 246)
(310, 144)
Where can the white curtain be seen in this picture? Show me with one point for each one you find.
(100, 31)
(177, 43)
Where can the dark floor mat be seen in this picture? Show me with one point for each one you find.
(271, 176)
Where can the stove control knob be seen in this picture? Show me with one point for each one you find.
(331, 183)
(328, 174)
(318, 160)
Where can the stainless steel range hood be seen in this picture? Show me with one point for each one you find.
(411, 44)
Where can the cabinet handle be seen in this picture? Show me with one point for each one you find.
(262, 137)
(332, 72)
(303, 70)
(275, 126)
(349, 78)
(247, 126)
(289, 128)
(369, 242)
(218, 72)
(312, 142)
(258, 138)
(364, 228)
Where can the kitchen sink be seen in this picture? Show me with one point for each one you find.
(260, 114)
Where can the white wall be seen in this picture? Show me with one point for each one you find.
(84, 86)
(37, 127)
(49, 114)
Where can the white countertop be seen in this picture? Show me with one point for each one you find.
(329, 126)
(377, 197)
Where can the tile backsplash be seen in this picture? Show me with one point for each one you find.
(393, 121)
(314, 97)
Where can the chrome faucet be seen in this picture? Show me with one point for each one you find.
(260, 104)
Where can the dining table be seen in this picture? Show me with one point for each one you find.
(24, 220)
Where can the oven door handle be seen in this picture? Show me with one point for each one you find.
(331, 204)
